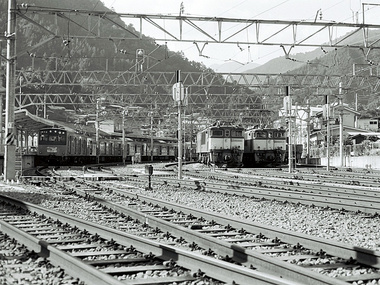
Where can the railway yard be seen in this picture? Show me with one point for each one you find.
(235, 226)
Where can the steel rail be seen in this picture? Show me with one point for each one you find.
(314, 174)
(219, 270)
(350, 203)
(325, 177)
(362, 255)
(303, 185)
(238, 253)
(72, 265)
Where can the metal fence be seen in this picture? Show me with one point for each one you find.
(367, 148)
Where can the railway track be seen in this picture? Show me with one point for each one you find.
(253, 245)
(332, 196)
(259, 240)
(368, 178)
(18, 265)
(275, 185)
(101, 255)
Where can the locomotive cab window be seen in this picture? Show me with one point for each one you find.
(203, 138)
(217, 133)
(260, 135)
(278, 135)
(52, 136)
(236, 134)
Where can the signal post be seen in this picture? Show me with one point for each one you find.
(178, 95)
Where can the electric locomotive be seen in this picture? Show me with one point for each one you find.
(264, 147)
(221, 145)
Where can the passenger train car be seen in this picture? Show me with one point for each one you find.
(58, 146)
(265, 147)
(221, 145)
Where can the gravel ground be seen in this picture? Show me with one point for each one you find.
(347, 227)
(20, 266)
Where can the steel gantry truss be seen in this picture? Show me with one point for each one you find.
(216, 95)
(219, 95)
(208, 30)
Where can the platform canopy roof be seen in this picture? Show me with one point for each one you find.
(27, 121)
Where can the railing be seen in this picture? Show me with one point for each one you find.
(366, 148)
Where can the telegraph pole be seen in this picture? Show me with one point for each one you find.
(10, 146)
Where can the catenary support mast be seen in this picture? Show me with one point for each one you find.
(10, 146)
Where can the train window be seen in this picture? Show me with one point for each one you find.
(227, 133)
(103, 148)
(69, 146)
(89, 146)
(55, 137)
(203, 138)
(260, 134)
(75, 145)
(44, 137)
(270, 134)
(236, 134)
(217, 133)
(279, 134)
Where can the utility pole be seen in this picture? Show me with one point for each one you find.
(341, 126)
(10, 147)
(288, 109)
(151, 136)
(97, 131)
(123, 135)
(328, 132)
(308, 132)
(185, 104)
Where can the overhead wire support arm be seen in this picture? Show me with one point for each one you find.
(287, 52)
(200, 50)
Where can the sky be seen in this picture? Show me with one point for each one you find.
(348, 11)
